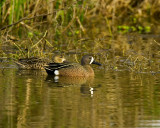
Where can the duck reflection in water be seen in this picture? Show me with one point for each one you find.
(85, 83)
(69, 81)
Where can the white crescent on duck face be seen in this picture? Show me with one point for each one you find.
(92, 59)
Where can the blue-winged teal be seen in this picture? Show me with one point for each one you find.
(72, 69)
(37, 63)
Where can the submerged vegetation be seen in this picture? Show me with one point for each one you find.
(122, 33)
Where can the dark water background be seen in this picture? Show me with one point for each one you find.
(112, 99)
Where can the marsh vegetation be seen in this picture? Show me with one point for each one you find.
(122, 34)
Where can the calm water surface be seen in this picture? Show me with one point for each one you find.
(31, 99)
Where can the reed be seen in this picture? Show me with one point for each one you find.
(118, 11)
(91, 26)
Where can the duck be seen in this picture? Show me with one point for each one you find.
(38, 63)
(72, 69)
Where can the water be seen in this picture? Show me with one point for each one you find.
(112, 99)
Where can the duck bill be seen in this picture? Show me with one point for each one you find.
(94, 62)
(65, 61)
